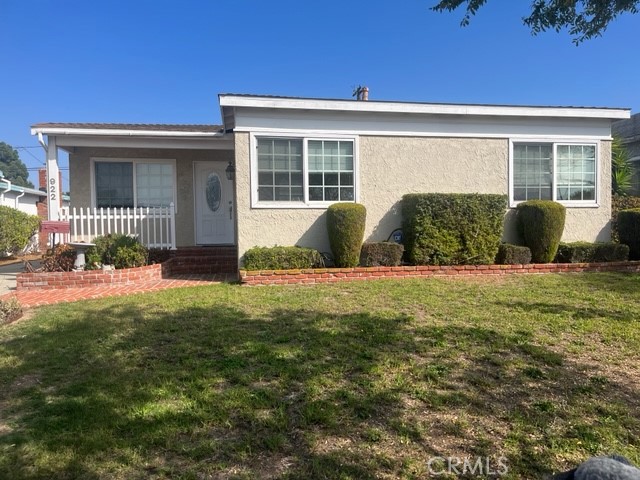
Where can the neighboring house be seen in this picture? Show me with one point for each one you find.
(267, 175)
(629, 132)
(21, 198)
(29, 200)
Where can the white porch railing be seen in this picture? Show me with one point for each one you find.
(155, 227)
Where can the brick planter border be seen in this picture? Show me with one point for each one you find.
(91, 278)
(331, 275)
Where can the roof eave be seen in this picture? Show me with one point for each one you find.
(21, 189)
(241, 101)
(110, 132)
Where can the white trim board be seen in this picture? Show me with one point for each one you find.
(247, 101)
(109, 132)
(358, 123)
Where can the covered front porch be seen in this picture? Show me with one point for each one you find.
(171, 186)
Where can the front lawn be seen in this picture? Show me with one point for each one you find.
(366, 380)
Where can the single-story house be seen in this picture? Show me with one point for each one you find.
(629, 132)
(266, 175)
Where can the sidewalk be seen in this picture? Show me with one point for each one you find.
(8, 276)
(36, 298)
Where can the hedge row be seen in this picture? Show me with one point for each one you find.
(452, 229)
(455, 229)
(281, 258)
(585, 252)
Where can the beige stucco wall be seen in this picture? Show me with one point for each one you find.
(80, 174)
(389, 167)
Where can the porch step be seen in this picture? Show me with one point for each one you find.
(199, 260)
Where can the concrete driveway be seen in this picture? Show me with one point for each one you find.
(8, 276)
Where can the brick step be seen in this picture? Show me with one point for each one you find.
(212, 261)
(205, 260)
(206, 251)
(204, 270)
(209, 259)
(197, 269)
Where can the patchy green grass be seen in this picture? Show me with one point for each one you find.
(349, 381)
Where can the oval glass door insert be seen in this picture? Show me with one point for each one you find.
(214, 192)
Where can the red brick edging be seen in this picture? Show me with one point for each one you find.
(331, 275)
(90, 278)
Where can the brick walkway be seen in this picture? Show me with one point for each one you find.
(36, 298)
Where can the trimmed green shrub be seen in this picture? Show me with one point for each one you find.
(345, 225)
(10, 310)
(381, 254)
(513, 255)
(281, 258)
(452, 228)
(16, 229)
(629, 231)
(575, 252)
(540, 224)
(59, 260)
(585, 252)
(619, 203)
(121, 251)
(611, 252)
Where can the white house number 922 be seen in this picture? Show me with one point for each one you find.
(52, 188)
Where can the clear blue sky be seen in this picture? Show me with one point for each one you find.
(166, 61)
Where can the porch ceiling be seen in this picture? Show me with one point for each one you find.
(128, 135)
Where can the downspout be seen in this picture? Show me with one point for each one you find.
(18, 199)
(41, 141)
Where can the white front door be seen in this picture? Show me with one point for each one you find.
(214, 204)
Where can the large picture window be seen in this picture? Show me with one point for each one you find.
(561, 172)
(305, 171)
(135, 183)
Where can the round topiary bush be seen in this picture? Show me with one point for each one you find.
(541, 223)
(345, 225)
(629, 231)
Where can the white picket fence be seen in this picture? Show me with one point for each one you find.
(155, 227)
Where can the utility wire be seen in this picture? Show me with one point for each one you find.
(27, 151)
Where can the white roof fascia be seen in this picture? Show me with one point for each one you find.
(20, 189)
(421, 108)
(123, 133)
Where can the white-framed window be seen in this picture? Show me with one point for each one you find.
(566, 172)
(131, 183)
(297, 172)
